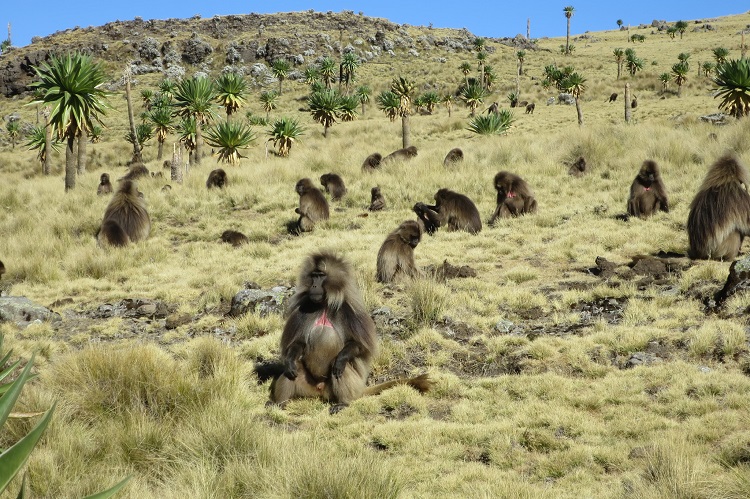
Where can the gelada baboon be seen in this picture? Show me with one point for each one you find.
(457, 212)
(634, 103)
(329, 339)
(234, 238)
(217, 178)
(2, 269)
(125, 219)
(647, 192)
(522, 104)
(530, 108)
(493, 108)
(514, 196)
(400, 154)
(454, 156)
(105, 186)
(334, 185)
(612, 97)
(578, 168)
(372, 161)
(137, 170)
(313, 206)
(428, 217)
(377, 201)
(719, 215)
(396, 254)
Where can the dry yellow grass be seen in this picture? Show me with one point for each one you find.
(531, 399)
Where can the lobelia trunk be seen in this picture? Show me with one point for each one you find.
(82, 138)
(70, 162)
(628, 110)
(579, 112)
(405, 130)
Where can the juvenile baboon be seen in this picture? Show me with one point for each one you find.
(400, 154)
(514, 196)
(396, 254)
(313, 206)
(719, 215)
(493, 108)
(613, 97)
(372, 161)
(634, 103)
(137, 170)
(334, 185)
(522, 104)
(125, 219)
(578, 168)
(105, 186)
(234, 238)
(454, 156)
(329, 340)
(217, 178)
(647, 192)
(457, 212)
(157, 175)
(166, 188)
(2, 269)
(377, 201)
(428, 217)
(167, 165)
(530, 108)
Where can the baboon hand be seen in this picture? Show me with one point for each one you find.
(290, 369)
(338, 367)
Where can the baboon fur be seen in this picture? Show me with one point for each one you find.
(396, 254)
(493, 108)
(400, 154)
(719, 215)
(105, 186)
(137, 170)
(372, 161)
(126, 219)
(522, 104)
(612, 97)
(647, 192)
(377, 201)
(217, 178)
(530, 108)
(329, 340)
(457, 212)
(313, 206)
(454, 156)
(334, 185)
(234, 238)
(579, 167)
(514, 196)
(428, 217)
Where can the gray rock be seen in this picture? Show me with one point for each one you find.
(642, 359)
(259, 301)
(566, 99)
(504, 326)
(22, 311)
(196, 50)
(550, 101)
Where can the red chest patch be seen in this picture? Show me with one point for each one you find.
(647, 188)
(323, 320)
(511, 194)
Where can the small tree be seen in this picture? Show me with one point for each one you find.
(325, 107)
(491, 124)
(14, 130)
(520, 56)
(280, 69)
(37, 141)
(575, 85)
(707, 68)
(403, 89)
(665, 78)
(284, 133)
(680, 72)
(389, 103)
(633, 62)
(194, 98)
(230, 92)
(619, 59)
(363, 94)
(681, 27)
(465, 69)
(473, 96)
(161, 120)
(448, 101)
(720, 54)
(732, 79)
(349, 65)
(328, 71)
(229, 137)
(268, 100)
(619, 23)
(568, 11)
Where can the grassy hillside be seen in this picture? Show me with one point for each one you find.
(551, 381)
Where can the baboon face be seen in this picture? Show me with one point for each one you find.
(411, 233)
(649, 172)
(375, 192)
(440, 196)
(104, 179)
(324, 179)
(303, 186)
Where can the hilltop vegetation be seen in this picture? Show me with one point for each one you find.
(560, 370)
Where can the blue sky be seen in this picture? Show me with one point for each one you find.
(483, 18)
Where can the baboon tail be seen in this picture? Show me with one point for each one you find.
(268, 370)
(421, 383)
